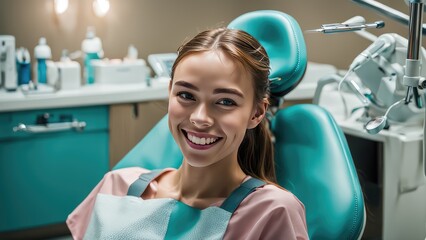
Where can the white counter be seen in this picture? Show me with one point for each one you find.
(88, 95)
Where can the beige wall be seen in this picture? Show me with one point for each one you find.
(155, 26)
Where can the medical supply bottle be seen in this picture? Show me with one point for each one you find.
(23, 65)
(42, 52)
(92, 48)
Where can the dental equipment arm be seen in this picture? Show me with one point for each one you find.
(384, 45)
(389, 12)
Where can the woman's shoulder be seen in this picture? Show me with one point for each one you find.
(270, 212)
(272, 196)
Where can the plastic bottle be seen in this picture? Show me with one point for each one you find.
(23, 65)
(42, 52)
(92, 48)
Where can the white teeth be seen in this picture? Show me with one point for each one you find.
(201, 141)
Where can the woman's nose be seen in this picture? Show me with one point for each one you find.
(201, 117)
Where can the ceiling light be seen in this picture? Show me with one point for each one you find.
(101, 7)
(61, 6)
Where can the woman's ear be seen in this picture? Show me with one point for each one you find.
(258, 114)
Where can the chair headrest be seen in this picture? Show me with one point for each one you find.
(282, 38)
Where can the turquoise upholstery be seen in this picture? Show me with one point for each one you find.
(313, 161)
(282, 38)
(311, 153)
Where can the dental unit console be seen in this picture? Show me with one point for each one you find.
(391, 69)
(381, 69)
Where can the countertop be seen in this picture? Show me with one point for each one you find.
(88, 95)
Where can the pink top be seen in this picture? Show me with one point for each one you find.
(267, 213)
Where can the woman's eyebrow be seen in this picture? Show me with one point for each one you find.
(187, 85)
(228, 90)
(216, 91)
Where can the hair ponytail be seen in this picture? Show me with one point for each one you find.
(256, 153)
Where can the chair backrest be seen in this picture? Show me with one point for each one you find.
(282, 38)
(311, 153)
(313, 162)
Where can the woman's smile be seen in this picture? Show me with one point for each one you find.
(200, 141)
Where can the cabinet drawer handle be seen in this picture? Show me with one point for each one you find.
(50, 127)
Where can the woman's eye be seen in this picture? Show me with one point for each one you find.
(185, 96)
(227, 102)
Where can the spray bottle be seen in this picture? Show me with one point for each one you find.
(42, 52)
(92, 48)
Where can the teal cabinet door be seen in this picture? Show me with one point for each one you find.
(45, 175)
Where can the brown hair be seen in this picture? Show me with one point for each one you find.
(255, 154)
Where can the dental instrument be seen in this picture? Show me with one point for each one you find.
(347, 27)
(377, 124)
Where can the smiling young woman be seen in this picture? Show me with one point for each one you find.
(226, 186)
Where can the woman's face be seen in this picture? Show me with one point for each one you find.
(211, 105)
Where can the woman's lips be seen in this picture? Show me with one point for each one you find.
(200, 140)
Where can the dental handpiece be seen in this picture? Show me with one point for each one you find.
(347, 27)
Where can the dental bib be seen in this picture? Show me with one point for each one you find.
(131, 217)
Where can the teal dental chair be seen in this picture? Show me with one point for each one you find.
(311, 153)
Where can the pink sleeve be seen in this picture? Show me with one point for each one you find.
(115, 183)
(268, 213)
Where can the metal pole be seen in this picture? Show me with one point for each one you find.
(415, 26)
(414, 40)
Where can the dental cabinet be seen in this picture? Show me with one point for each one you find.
(54, 148)
(49, 163)
(390, 169)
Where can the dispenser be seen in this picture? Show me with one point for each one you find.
(92, 48)
(42, 52)
(8, 77)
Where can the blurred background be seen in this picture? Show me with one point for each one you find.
(161, 26)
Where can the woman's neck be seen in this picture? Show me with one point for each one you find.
(195, 186)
